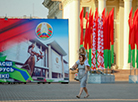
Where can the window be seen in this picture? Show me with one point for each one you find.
(86, 9)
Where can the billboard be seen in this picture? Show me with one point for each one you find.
(34, 50)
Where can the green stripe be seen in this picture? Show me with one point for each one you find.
(105, 58)
(90, 51)
(30, 78)
(112, 54)
(39, 35)
(3, 80)
(86, 53)
(129, 54)
(109, 59)
(48, 35)
(50, 80)
(43, 37)
(2, 58)
(15, 75)
(81, 46)
(49, 32)
(38, 32)
(133, 58)
(137, 59)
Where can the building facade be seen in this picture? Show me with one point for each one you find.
(52, 66)
(70, 9)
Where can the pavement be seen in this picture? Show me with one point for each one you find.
(57, 92)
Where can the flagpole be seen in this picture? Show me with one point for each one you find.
(130, 65)
(135, 71)
(106, 71)
(113, 70)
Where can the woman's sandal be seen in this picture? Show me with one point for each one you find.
(86, 96)
(78, 96)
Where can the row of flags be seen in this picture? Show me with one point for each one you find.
(133, 37)
(98, 38)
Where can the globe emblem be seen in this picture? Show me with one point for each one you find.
(57, 60)
(44, 30)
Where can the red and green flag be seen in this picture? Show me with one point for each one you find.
(109, 39)
(131, 38)
(100, 42)
(96, 17)
(81, 25)
(94, 40)
(112, 34)
(130, 23)
(136, 36)
(86, 32)
(90, 35)
(105, 27)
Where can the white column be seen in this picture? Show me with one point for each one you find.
(62, 67)
(71, 11)
(101, 6)
(120, 57)
(50, 60)
(127, 8)
(46, 73)
(46, 58)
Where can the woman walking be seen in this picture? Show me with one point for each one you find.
(82, 73)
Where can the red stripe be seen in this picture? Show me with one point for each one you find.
(86, 31)
(39, 33)
(38, 30)
(40, 36)
(106, 33)
(47, 36)
(49, 33)
(111, 21)
(49, 30)
(130, 23)
(81, 24)
(44, 36)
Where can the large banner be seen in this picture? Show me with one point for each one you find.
(34, 50)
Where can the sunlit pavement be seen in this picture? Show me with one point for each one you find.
(57, 92)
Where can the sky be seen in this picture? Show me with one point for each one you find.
(19, 8)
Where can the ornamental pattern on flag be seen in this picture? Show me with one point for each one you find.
(99, 44)
(100, 59)
(94, 45)
(102, 45)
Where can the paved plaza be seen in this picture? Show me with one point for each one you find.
(57, 92)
